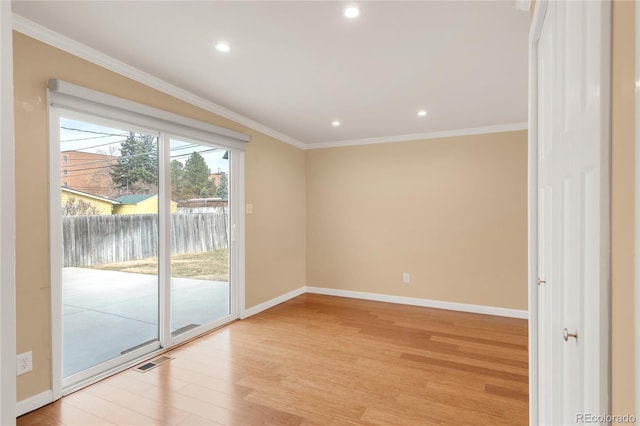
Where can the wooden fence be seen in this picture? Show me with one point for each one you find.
(94, 240)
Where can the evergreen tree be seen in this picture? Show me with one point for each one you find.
(196, 175)
(137, 163)
(213, 189)
(223, 188)
(177, 181)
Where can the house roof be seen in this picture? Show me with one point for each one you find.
(86, 194)
(92, 154)
(134, 198)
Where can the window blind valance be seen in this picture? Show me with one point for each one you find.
(81, 99)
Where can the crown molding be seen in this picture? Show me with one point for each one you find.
(52, 38)
(500, 128)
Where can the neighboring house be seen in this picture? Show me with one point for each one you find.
(102, 205)
(203, 205)
(88, 172)
(140, 204)
(215, 177)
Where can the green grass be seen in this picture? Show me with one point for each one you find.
(211, 265)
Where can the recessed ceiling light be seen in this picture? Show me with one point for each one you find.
(351, 12)
(422, 113)
(335, 123)
(223, 47)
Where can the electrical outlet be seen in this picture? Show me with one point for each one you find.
(249, 209)
(405, 278)
(24, 363)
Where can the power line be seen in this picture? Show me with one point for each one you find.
(72, 167)
(95, 132)
(114, 157)
(106, 134)
(93, 146)
(90, 138)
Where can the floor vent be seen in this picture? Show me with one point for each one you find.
(143, 368)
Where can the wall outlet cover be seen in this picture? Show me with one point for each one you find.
(24, 363)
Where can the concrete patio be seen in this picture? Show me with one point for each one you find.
(106, 313)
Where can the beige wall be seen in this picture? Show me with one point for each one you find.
(363, 228)
(275, 184)
(452, 212)
(623, 208)
(276, 229)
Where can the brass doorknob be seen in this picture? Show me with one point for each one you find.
(566, 335)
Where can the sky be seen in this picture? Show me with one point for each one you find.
(89, 137)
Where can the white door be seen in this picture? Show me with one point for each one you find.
(573, 211)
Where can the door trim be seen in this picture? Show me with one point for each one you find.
(62, 386)
(637, 215)
(7, 223)
(532, 193)
(55, 255)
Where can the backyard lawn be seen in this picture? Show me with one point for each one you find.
(210, 265)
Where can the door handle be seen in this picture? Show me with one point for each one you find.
(541, 281)
(566, 335)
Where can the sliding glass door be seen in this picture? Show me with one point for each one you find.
(109, 219)
(145, 236)
(200, 292)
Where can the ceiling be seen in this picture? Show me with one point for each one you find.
(297, 66)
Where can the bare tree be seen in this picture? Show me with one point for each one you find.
(77, 207)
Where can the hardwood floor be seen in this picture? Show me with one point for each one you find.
(319, 360)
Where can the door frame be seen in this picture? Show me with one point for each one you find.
(637, 216)
(532, 193)
(7, 223)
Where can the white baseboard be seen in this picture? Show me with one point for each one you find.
(413, 301)
(34, 402)
(452, 306)
(271, 303)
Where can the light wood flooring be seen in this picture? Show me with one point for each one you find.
(321, 360)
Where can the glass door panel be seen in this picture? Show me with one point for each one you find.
(200, 292)
(109, 194)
